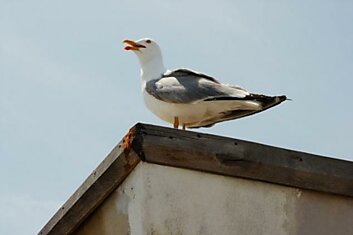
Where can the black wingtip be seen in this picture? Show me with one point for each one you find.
(284, 98)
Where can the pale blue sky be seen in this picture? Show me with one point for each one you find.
(68, 92)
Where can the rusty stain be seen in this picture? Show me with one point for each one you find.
(127, 141)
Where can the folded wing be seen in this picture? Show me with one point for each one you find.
(187, 86)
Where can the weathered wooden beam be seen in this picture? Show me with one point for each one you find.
(233, 157)
(96, 188)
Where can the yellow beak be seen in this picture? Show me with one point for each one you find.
(132, 45)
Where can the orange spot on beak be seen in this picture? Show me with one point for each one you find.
(128, 48)
(132, 45)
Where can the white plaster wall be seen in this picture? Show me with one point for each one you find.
(161, 200)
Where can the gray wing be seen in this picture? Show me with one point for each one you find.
(187, 86)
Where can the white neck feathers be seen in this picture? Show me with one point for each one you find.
(152, 69)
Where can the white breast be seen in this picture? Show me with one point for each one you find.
(187, 113)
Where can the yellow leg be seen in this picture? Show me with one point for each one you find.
(176, 122)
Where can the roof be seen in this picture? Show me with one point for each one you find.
(202, 152)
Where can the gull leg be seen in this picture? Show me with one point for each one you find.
(176, 122)
(183, 126)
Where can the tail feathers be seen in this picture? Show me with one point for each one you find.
(265, 101)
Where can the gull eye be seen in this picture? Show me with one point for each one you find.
(148, 41)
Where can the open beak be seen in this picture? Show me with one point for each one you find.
(133, 45)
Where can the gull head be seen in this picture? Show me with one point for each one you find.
(146, 49)
(149, 55)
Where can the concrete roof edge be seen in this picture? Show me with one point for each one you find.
(202, 152)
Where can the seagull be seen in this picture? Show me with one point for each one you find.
(190, 99)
